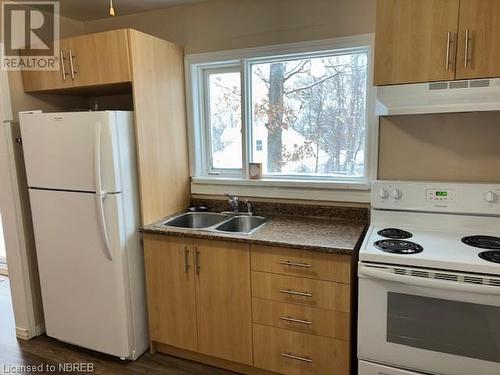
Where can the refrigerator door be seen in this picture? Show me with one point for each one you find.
(84, 284)
(71, 151)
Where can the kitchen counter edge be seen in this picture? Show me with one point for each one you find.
(349, 234)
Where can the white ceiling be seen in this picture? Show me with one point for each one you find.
(86, 10)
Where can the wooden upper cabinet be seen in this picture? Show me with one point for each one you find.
(223, 300)
(37, 80)
(100, 59)
(88, 60)
(413, 40)
(480, 24)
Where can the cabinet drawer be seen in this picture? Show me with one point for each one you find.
(298, 290)
(303, 263)
(334, 324)
(289, 352)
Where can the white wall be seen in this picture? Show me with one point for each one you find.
(14, 200)
(230, 24)
(23, 273)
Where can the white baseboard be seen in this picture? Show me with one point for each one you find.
(25, 334)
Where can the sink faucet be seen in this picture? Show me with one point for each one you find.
(234, 202)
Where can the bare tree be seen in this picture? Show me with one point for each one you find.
(327, 109)
(275, 117)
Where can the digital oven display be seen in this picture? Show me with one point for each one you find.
(441, 193)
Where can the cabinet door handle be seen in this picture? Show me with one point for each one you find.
(466, 58)
(186, 259)
(197, 260)
(297, 357)
(71, 65)
(63, 68)
(295, 293)
(448, 46)
(293, 320)
(294, 264)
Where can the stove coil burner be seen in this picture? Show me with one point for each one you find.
(490, 256)
(398, 247)
(394, 233)
(483, 242)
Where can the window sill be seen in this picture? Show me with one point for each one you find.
(356, 192)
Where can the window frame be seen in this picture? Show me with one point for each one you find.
(244, 59)
(206, 128)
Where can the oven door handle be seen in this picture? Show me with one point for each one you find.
(373, 273)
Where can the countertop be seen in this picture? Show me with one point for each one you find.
(336, 236)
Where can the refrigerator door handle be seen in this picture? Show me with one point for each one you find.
(102, 221)
(97, 158)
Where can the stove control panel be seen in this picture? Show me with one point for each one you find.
(446, 197)
(434, 195)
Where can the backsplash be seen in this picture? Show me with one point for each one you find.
(359, 214)
(440, 147)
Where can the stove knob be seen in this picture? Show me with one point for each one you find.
(383, 193)
(396, 193)
(490, 197)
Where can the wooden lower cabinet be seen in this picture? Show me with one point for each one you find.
(223, 300)
(334, 324)
(301, 291)
(301, 311)
(289, 352)
(302, 263)
(216, 302)
(199, 296)
(170, 291)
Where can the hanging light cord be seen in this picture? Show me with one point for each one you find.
(111, 9)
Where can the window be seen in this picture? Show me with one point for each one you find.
(222, 88)
(300, 111)
(311, 114)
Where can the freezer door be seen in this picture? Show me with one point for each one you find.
(71, 151)
(84, 284)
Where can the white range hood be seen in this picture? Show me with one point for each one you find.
(439, 97)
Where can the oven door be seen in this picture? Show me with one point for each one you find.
(429, 321)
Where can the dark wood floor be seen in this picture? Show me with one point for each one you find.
(45, 350)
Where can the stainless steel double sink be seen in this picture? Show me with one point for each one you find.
(217, 222)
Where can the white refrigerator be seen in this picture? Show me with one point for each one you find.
(82, 179)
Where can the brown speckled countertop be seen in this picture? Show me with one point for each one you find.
(310, 233)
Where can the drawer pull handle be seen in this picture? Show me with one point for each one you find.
(467, 39)
(293, 264)
(197, 260)
(296, 357)
(295, 293)
(293, 320)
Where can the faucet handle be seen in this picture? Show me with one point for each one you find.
(249, 207)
